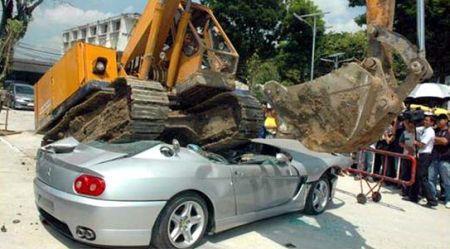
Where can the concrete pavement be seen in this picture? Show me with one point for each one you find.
(393, 223)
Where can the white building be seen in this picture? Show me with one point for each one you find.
(113, 32)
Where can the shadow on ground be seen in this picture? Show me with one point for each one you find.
(301, 231)
(293, 230)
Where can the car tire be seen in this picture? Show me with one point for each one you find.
(175, 216)
(318, 196)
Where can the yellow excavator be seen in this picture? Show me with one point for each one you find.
(176, 79)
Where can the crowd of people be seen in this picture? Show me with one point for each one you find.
(426, 139)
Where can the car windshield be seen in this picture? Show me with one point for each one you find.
(22, 89)
(213, 157)
(130, 149)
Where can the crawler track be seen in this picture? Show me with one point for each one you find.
(139, 110)
(136, 111)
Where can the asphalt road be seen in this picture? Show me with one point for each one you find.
(393, 223)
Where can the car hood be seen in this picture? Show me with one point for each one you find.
(315, 163)
(25, 96)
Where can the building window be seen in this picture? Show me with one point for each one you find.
(116, 25)
(102, 41)
(66, 37)
(74, 35)
(83, 33)
(104, 28)
(92, 40)
(93, 31)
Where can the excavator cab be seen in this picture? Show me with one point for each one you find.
(208, 61)
(205, 48)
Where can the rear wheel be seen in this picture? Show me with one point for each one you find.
(182, 223)
(318, 196)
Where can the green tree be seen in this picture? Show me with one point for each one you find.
(262, 71)
(437, 30)
(353, 45)
(295, 43)
(16, 16)
(251, 25)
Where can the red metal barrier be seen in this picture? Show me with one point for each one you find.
(382, 177)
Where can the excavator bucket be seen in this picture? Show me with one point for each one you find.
(349, 108)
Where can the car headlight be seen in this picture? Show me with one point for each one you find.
(20, 100)
(100, 66)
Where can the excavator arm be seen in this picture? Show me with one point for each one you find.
(151, 33)
(158, 46)
(349, 108)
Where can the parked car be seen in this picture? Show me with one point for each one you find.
(20, 96)
(153, 193)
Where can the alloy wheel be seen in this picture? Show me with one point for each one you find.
(320, 196)
(186, 224)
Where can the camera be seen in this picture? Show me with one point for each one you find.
(414, 116)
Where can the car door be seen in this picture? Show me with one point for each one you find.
(283, 179)
(263, 185)
(248, 182)
(281, 183)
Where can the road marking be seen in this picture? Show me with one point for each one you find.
(14, 148)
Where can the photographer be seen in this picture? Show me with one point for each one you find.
(424, 142)
(440, 165)
(407, 143)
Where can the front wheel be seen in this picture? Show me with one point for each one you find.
(318, 197)
(182, 223)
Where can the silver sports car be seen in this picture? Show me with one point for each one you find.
(167, 196)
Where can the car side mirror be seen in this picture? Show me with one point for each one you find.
(176, 146)
(282, 158)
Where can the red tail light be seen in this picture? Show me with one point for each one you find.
(89, 185)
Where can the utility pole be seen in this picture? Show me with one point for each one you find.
(421, 27)
(314, 28)
(334, 58)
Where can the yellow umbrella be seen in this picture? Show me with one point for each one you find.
(421, 107)
(439, 111)
(435, 111)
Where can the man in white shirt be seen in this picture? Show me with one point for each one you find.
(424, 142)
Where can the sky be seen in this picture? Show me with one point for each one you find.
(54, 16)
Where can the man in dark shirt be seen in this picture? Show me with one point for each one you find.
(440, 165)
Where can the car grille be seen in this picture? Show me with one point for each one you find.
(57, 224)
